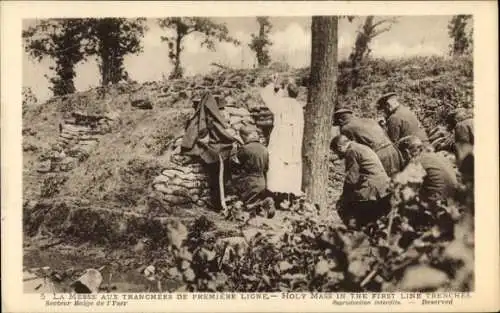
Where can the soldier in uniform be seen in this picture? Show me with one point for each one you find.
(440, 181)
(400, 121)
(368, 132)
(253, 159)
(439, 184)
(365, 196)
(463, 128)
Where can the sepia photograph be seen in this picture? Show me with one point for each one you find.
(248, 154)
(293, 156)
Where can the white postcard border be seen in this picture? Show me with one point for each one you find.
(485, 298)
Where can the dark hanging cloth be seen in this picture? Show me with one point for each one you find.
(206, 135)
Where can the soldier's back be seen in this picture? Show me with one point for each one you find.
(441, 179)
(366, 131)
(464, 131)
(407, 123)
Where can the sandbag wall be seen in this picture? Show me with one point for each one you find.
(263, 120)
(184, 181)
(234, 88)
(238, 117)
(78, 136)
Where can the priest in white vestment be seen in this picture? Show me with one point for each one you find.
(285, 142)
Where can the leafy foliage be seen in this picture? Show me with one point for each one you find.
(29, 98)
(260, 42)
(52, 184)
(184, 26)
(63, 41)
(309, 253)
(111, 39)
(430, 86)
(70, 41)
(462, 41)
(361, 50)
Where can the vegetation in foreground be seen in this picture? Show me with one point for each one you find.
(309, 253)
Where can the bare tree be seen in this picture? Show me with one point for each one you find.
(361, 50)
(319, 110)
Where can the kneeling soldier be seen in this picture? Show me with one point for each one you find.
(440, 183)
(365, 196)
(253, 161)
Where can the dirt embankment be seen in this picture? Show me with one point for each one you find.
(113, 165)
(94, 161)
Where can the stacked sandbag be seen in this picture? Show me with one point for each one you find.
(237, 85)
(240, 85)
(183, 182)
(264, 121)
(78, 136)
(237, 117)
(262, 116)
(227, 90)
(141, 100)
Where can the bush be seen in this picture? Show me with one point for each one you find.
(431, 86)
(312, 255)
(135, 177)
(279, 67)
(29, 99)
(52, 184)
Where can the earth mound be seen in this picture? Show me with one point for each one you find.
(102, 167)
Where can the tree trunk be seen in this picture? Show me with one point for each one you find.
(178, 54)
(63, 83)
(105, 68)
(177, 73)
(360, 48)
(319, 110)
(103, 35)
(259, 48)
(109, 51)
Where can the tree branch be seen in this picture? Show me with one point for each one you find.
(383, 30)
(390, 21)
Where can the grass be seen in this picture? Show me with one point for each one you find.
(119, 172)
(121, 169)
(103, 200)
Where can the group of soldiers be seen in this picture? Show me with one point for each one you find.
(374, 152)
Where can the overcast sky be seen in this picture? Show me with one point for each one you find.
(291, 37)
